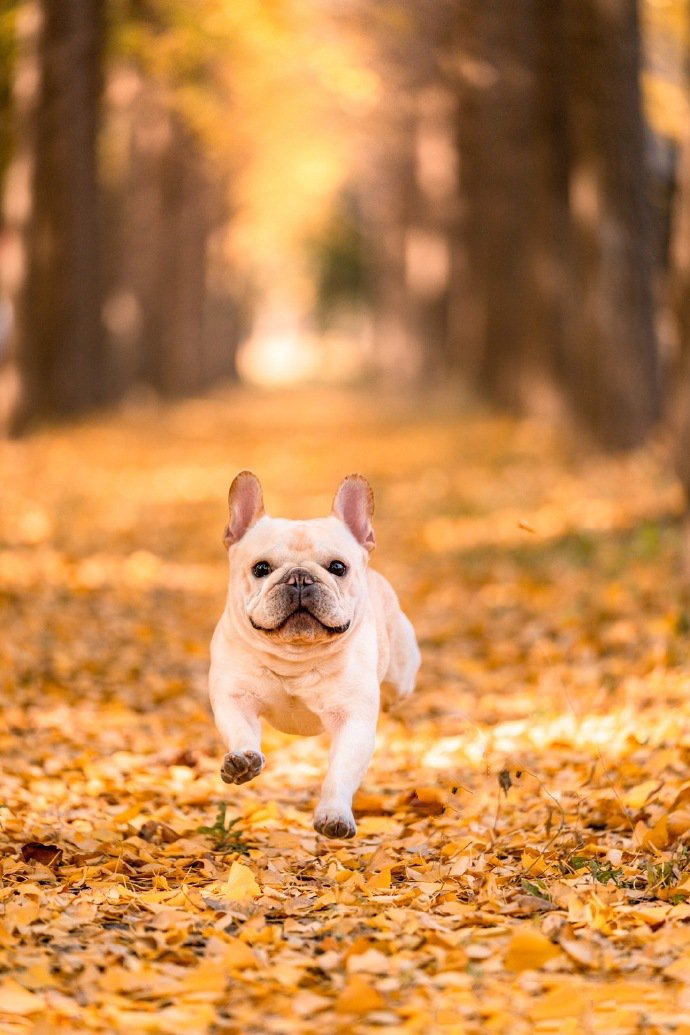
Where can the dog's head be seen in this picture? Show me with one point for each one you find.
(298, 582)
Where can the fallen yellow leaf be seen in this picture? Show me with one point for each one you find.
(528, 950)
(358, 996)
(652, 915)
(379, 881)
(654, 837)
(679, 970)
(19, 914)
(370, 962)
(638, 796)
(14, 998)
(678, 822)
(560, 1003)
(241, 884)
(237, 954)
(579, 950)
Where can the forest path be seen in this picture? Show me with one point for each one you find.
(522, 861)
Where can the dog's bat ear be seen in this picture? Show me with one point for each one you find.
(354, 504)
(245, 504)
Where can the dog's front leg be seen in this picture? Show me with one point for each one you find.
(352, 744)
(237, 719)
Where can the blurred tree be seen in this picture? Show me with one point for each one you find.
(509, 234)
(58, 310)
(407, 183)
(610, 357)
(170, 313)
(666, 82)
(8, 47)
(679, 298)
(199, 96)
(336, 254)
(158, 225)
(228, 170)
(385, 185)
(497, 336)
(495, 151)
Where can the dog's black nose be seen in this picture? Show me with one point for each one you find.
(300, 577)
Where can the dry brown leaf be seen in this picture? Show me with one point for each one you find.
(47, 855)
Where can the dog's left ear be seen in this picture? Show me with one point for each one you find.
(354, 504)
(246, 506)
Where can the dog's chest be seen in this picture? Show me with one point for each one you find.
(286, 703)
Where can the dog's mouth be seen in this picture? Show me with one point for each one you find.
(298, 616)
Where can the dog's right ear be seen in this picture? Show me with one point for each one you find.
(354, 504)
(245, 504)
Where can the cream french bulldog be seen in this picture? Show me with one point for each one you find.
(308, 636)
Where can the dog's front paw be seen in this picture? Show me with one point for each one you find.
(335, 822)
(241, 766)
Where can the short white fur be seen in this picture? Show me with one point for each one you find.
(306, 649)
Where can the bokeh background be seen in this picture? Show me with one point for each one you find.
(446, 244)
(493, 197)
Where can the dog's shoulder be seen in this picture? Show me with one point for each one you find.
(384, 603)
(381, 592)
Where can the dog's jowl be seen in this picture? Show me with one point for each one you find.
(308, 638)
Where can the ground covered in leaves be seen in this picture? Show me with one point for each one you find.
(523, 857)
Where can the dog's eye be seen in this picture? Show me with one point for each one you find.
(337, 568)
(261, 569)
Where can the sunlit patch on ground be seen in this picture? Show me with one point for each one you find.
(522, 863)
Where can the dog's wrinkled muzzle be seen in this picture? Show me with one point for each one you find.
(300, 595)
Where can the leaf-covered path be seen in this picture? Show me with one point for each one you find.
(522, 861)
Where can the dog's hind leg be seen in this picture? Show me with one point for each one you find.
(403, 666)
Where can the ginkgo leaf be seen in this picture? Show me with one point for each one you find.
(679, 970)
(380, 881)
(529, 949)
(644, 792)
(562, 1002)
(241, 884)
(16, 999)
(236, 953)
(369, 962)
(358, 996)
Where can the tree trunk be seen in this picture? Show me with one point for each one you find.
(59, 331)
(431, 219)
(385, 203)
(610, 359)
(498, 177)
(679, 298)
(179, 368)
(504, 308)
(409, 197)
(159, 277)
